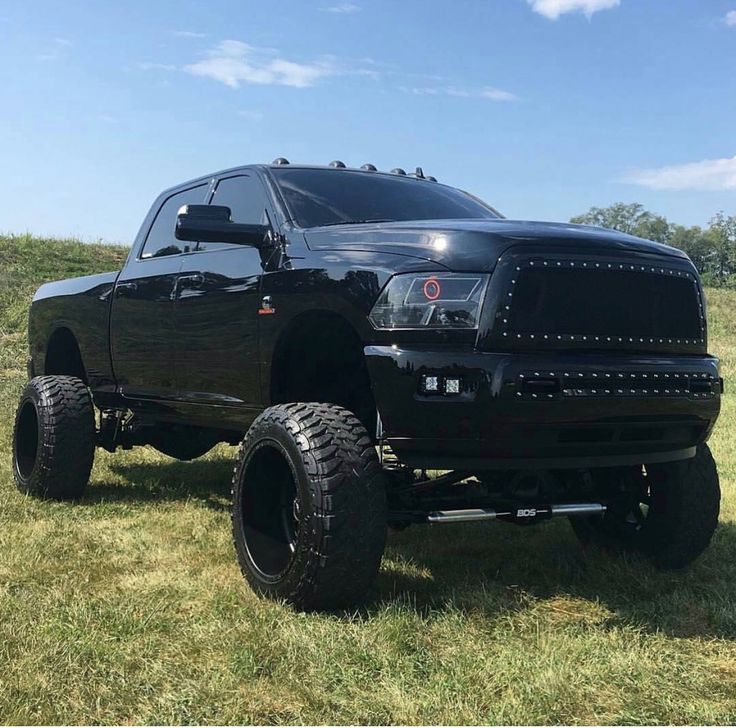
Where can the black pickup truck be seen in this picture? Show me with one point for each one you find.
(388, 350)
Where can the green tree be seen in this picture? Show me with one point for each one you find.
(699, 245)
(654, 227)
(629, 218)
(723, 232)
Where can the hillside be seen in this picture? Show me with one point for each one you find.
(129, 607)
(25, 263)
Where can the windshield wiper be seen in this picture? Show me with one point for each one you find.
(354, 222)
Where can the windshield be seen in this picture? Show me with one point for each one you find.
(333, 196)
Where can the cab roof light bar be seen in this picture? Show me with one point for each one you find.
(367, 167)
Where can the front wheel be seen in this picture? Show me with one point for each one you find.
(309, 506)
(667, 512)
(54, 438)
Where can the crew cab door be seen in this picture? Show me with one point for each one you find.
(142, 333)
(216, 314)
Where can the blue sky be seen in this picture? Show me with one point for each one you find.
(542, 107)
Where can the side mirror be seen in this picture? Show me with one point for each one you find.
(213, 224)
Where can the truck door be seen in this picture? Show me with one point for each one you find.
(216, 314)
(142, 321)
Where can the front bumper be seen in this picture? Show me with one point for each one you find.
(543, 410)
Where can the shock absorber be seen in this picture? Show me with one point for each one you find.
(523, 514)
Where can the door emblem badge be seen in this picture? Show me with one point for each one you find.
(266, 307)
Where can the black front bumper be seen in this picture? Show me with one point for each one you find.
(550, 410)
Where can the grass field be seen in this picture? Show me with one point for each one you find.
(129, 607)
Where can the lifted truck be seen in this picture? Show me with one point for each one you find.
(357, 329)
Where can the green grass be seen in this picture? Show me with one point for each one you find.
(129, 607)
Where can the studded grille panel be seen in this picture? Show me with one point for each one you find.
(602, 303)
(591, 383)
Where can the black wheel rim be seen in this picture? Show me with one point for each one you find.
(271, 510)
(26, 440)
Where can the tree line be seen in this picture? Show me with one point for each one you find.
(712, 249)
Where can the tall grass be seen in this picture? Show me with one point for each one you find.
(129, 607)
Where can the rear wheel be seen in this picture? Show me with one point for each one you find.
(309, 506)
(54, 438)
(668, 511)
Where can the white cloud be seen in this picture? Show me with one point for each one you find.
(487, 92)
(157, 67)
(233, 63)
(497, 94)
(552, 9)
(250, 114)
(342, 8)
(55, 52)
(188, 34)
(730, 18)
(709, 174)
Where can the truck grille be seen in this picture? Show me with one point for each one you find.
(600, 304)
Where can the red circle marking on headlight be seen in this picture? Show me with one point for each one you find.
(432, 289)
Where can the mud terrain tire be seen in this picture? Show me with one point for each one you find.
(54, 438)
(309, 506)
(682, 514)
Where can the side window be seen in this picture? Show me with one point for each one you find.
(161, 240)
(246, 198)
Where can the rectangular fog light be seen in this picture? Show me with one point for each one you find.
(452, 385)
(430, 384)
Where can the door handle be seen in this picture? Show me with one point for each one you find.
(195, 280)
(123, 290)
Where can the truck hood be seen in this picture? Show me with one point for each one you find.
(476, 245)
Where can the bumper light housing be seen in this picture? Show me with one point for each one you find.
(434, 384)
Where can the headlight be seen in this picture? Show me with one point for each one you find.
(430, 301)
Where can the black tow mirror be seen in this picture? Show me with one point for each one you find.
(213, 224)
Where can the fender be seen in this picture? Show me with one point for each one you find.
(82, 306)
(341, 283)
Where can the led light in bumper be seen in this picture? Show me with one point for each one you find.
(452, 385)
(434, 384)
